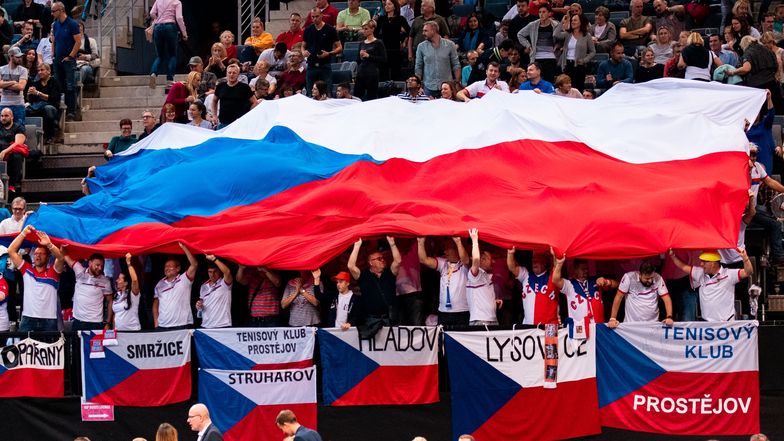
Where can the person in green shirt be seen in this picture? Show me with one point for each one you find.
(122, 142)
(350, 21)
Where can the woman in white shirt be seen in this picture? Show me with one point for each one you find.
(662, 47)
(124, 315)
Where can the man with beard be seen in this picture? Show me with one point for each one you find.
(92, 290)
(540, 302)
(642, 290)
(583, 293)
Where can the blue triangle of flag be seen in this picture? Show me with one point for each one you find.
(343, 366)
(215, 355)
(227, 406)
(102, 374)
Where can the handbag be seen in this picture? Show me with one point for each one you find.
(148, 33)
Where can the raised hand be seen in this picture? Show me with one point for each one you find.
(473, 233)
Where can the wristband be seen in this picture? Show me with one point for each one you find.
(668, 317)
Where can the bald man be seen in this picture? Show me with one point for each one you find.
(199, 419)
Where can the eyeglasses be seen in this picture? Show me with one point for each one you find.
(146, 116)
(18, 209)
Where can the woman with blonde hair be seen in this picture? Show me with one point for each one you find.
(563, 87)
(181, 95)
(769, 41)
(697, 59)
(218, 60)
(166, 432)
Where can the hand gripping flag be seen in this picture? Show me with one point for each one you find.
(31, 368)
(244, 404)
(255, 348)
(498, 386)
(144, 369)
(694, 378)
(398, 366)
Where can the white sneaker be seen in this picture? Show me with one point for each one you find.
(153, 81)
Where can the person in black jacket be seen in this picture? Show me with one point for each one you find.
(6, 30)
(343, 309)
(199, 420)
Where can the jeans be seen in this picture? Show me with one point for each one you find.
(86, 74)
(453, 318)
(31, 324)
(772, 226)
(64, 73)
(684, 299)
(270, 321)
(49, 114)
(435, 94)
(164, 36)
(726, 13)
(314, 73)
(78, 325)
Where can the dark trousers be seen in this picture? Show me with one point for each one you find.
(549, 69)
(15, 163)
(366, 86)
(453, 318)
(49, 114)
(393, 65)
(32, 324)
(577, 74)
(78, 325)
(271, 321)
(411, 307)
(64, 73)
(313, 74)
(165, 38)
(772, 226)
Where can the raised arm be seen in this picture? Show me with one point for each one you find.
(511, 263)
(43, 240)
(134, 277)
(424, 259)
(227, 277)
(13, 249)
(473, 233)
(686, 268)
(748, 269)
(461, 251)
(241, 274)
(558, 281)
(194, 264)
(396, 258)
(352, 260)
(273, 276)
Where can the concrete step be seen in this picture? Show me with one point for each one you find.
(79, 149)
(153, 102)
(55, 185)
(89, 137)
(132, 92)
(102, 126)
(63, 166)
(114, 115)
(111, 81)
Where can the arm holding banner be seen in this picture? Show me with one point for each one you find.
(424, 259)
(461, 251)
(748, 269)
(474, 234)
(44, 241)
(227, 277)
(352, 260)
(511, 263)
(686, 268)
(396, 258)
(558, 281)
(194, 264)
(13, 249)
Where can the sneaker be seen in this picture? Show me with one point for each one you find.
(69, 117)
(153, 81)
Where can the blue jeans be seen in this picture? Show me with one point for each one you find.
(86, 74)
(164, 36)
(29, 324)
(772, 226)
(313, 74)
(271, 321)
(49, 114)
(64, 73)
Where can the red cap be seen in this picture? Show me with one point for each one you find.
(343, 275)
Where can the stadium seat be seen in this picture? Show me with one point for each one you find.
(706, 31)
(340, 5)
(617, 22)
(497, 10)
(341, 76)
(590, 16)
(351, 51)
(34, 131)
(462, 10)
(374, 7)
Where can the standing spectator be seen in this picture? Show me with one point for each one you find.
(287, 423)
(378, 285)
(227, 40)
(407, 10)
(215, 295)
(182, 94)
(295, 34)
(540, 299)
(166, 432)
(44, 98)
(603, 30)
(122, 142)
(13, 80)
(662, 47)
(578, 51)
(199, 420)
(329, 14)
(615, 70)
(41, 280)
(697, 59)
(88, 58)
(14, 150)
(198, 114)
(124, 313)
(540, 41)
(216, 65)
(473, 36)
(408, 282)
(636, 29)
(167, 17)
(259, 39)
(6, 30)
(25, 40)
(171, 307)
(344, 310)
(32, 12)
(642, 290)
(452, 304)
(263, 298)
(418, 26)
(481, 88)
(300, 297)
(92, 293)
(295, 76)
(321, 43)
(535, 82)
(235, 98)
(436, 60)
(350, 21)
(725, 55)
(521, 19)
(482, 303)
(759, 67)
(372, 55)
(563, 87)
(392, 29)
(276, 59)
(148, 124)
(67, 40)
(414, 93)
(648, 69)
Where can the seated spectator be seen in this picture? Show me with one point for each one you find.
(227, 40)
(319, 91)
(589, 94)
(329, 14)
(740, 28)
(578, 50)
(13, 80)
(603, 31)
(343, 91)
(778, 20)
(350, 21)
(235, 98)
(13, 148)
(344, 310)
(535, 81)
(518, 76)
(474, 36)
(648, 69)
(516, 60)
(261, 89)
(218, 61)
(25, 40)
(259, 39)
(481, 88)
(769, 41)
(742, 10)
(6, 30)
(672, 17)
(198, 114)
(295, 75)
(299, 298)
(262, 73)
(31, 12)
(168, 114)
(122, 142)
(563, 87)
(499, 54)
(295, 33)
(208, 79)
(44, 50)
(286, 91)
(414, 93)
(697, 59)
(671, 68)
(698, 10)
(87, 59)
(725, 55)
(759, 67)
(148, 124)
(615, 70)
(30, 62)
(662, 47)
(182, 94)
(636, 29)
(43, 95)
(449, 91)
(276, 58)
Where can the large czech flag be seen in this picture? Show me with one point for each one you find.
(398, 365)
(694, 378)
(31, 368)
(498, 386)
(255, 348)
(143, 369)
(244, 404)
(291, 184)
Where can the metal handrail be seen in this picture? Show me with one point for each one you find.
(247, 10)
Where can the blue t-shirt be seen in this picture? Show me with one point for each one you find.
(63, 37)
(544, 86)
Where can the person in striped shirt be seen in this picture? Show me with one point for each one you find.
(263, 298)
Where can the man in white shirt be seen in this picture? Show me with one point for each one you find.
(453, 267)
(277, 57)
(199, 420)
(171, 307)
(642, 290)
(14, 223)
(482, 303)
(215, 295)
(92, 292)
(479, 89)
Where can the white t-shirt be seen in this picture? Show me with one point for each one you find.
(758, 173)
(642, 301)
(478, 89)
(453, 276)
(481, 296)
(40, 291)
(126, 319)
(571, 48)
(341, 315)
(717, 293)
(270, 79)
(217, 304)
(11, 226)
(174, 301)
(45, 50)
(89, 294)
(276, 66)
